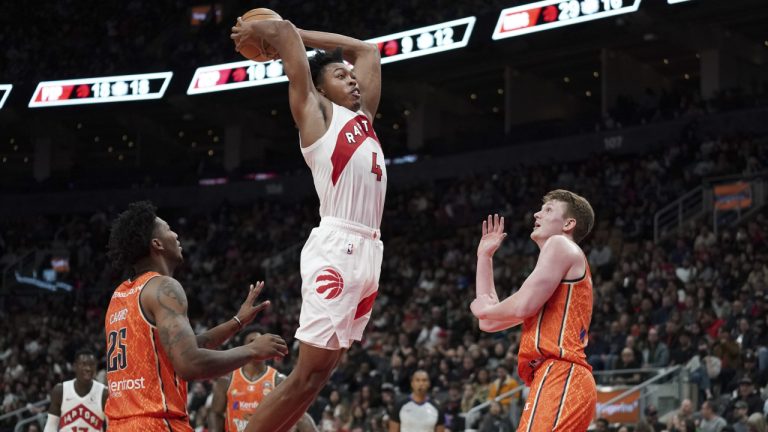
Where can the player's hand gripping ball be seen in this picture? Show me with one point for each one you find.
(249, 45)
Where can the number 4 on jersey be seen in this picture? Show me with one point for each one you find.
(376, 169)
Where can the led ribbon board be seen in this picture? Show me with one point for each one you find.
(549, 14)
(395, 47)
(676, 1)
(101, 90)
(5, 90)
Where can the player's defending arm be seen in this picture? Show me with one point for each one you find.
(556, 257)
(164, 301)
(54, 410)
(216, 336)
(218, 405)
(310, 111)
(364, 57)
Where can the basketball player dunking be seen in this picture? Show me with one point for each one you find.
(78, 404)
(334, 107)
(236, 396)
(151, 348)
(554, 304)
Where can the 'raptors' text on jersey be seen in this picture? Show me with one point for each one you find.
(81, 414)
(348, 169)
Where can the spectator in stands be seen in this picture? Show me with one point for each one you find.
(601, 425)
(739, 417)
(680, 416)
(656, 353)
(703, 369)
(628, 360)
(652, 418)
(495, 420)
(756, 423)
(710, 421)
(502, 384)
(747, 394)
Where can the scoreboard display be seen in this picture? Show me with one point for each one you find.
(101, 90)
(395, 47)
(549, 14)
(5, 90)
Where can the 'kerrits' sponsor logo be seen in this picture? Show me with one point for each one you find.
(81, 412)
(116, 387)
(245, 406)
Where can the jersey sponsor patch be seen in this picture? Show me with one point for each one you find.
(329, 283)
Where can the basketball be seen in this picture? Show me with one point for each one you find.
(262, 51)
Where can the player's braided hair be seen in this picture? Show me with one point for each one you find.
(131, 234)
(321, 59)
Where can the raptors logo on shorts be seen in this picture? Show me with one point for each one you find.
(329, 281)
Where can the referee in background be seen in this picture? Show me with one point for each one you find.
(417, 413)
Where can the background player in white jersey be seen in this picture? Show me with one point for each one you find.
(334, 107)
(78, 404)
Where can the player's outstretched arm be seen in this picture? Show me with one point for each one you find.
(557, 256)
(165, 301)
(216, 336)
(218, 405)
(311, 112)
(364, 57)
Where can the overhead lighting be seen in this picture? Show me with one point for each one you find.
(120, 157)
(378, 115)
(216, 138)
(500, 91)
(407, 113)
(666, 61)
(686, 76)
(588, 93)
(698, 56)
(495, 109)
(566, 79)
(109, 149)
(125, 137)
(130, 144)
(26, 159)
(473, 96)
(79, 125)
(273, 112)
(210, 152)
(16, 147)
(12, 140)
(181, 134)
(596, 74)
(210, 132)
(96, 139)
(395, 126)
(194, 144)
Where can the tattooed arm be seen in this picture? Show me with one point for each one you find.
(164, 302)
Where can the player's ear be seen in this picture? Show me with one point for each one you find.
(156, 244)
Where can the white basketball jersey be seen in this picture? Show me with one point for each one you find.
(348, 169)
(82, 414)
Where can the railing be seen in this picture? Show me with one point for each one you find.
(40, 419)
(28, 407)
(672, 217)
(473, 414)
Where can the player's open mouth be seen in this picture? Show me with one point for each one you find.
(355, 93)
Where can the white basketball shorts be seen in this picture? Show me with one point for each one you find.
(340, 269)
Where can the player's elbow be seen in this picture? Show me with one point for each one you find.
(487, 326)
(523, 310)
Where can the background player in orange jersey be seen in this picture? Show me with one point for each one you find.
(554, 304)
(334, 107)
(236, 396)
(151, 348)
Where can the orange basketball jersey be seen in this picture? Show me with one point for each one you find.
(244, 395)
(560, 330)
(144, 392)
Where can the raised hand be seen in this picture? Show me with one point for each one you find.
(249, 310)
(268, 346)
(493, 235)
(244, 34)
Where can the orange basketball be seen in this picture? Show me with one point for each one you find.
(261, 51)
